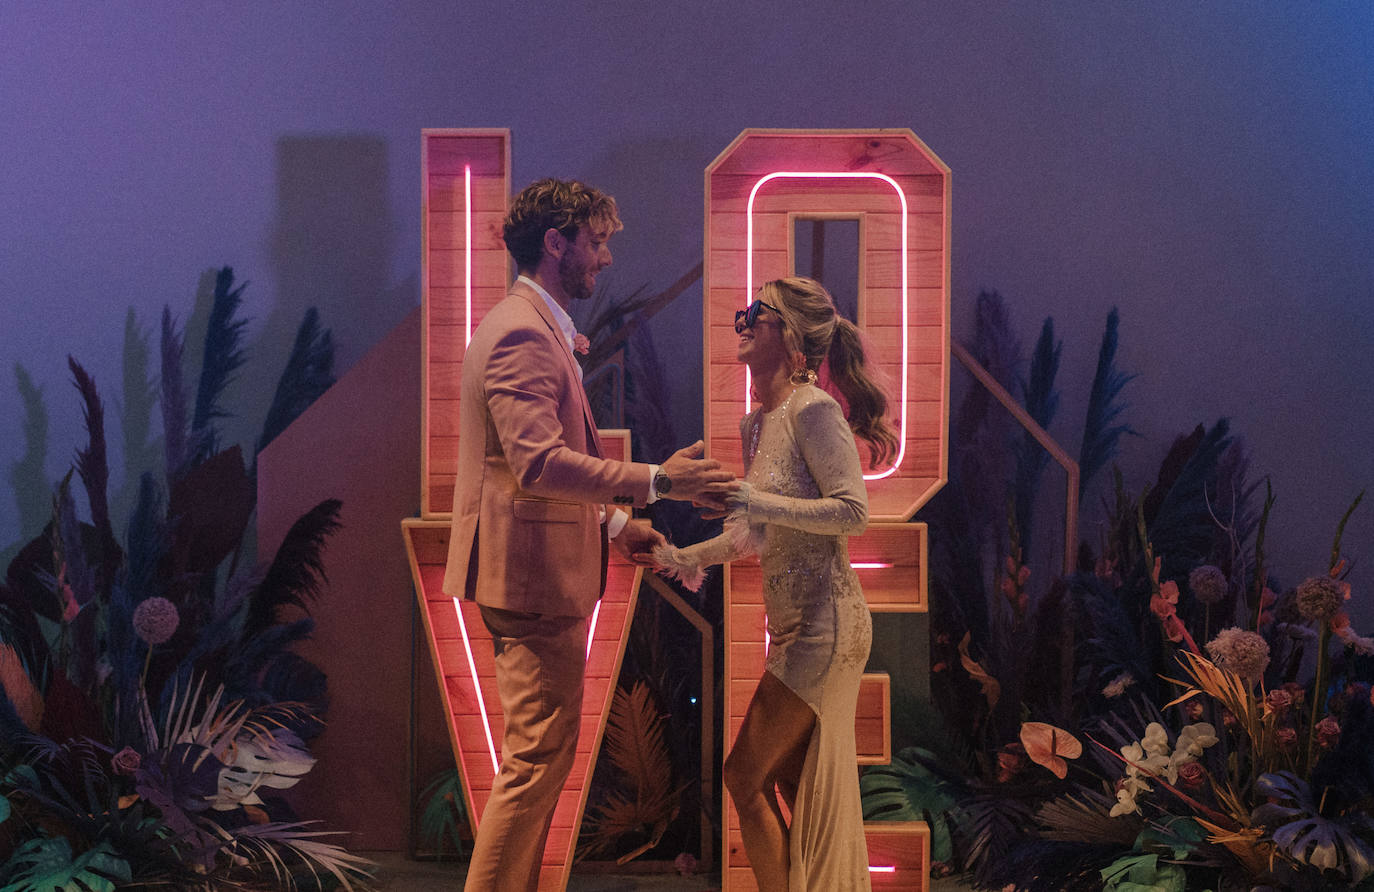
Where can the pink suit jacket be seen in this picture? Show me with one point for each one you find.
(531, 483)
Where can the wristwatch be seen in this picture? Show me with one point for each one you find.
(663, 484)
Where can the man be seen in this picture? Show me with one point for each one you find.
(530, 525)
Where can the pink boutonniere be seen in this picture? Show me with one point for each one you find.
(581, 344)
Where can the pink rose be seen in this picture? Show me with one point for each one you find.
(126, 761)
(1328, 732)
(1287, 738)
(581, 344)
(1279, 700)
(1191, 774)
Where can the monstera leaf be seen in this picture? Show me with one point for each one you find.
(906, 790)
(46, 863)
(1307, 836)
(1143, 873)
(277, 760)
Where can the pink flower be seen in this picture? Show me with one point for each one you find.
(581, 344)
(1191, 774)
(1046, 744)
(1328, 732)
(1164, 604)
(126, 761)
(1193, 709)
(1013, 585)
(1011, 761)
(686, 863)
(1279, 701)
(70, 608)
(1287, 738)
(156, 620)
(1297, 692)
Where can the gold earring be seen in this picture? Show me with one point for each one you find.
(803, 376)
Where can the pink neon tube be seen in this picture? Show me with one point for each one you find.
(749, 280)
(467, 251)
(476, 685)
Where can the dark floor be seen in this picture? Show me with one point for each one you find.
(395, 873)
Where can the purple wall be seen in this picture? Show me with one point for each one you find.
(1209, 168)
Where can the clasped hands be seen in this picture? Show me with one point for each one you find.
(701, 481)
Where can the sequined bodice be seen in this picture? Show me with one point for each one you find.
(818, 620)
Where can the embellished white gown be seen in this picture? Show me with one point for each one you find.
(803, 497)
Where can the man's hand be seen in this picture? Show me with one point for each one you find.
(699, 480)
(637, 542)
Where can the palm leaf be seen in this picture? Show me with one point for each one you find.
(1041, 402)
(1084, 816)
(1101, 433)
(1181, 526)
(92, 464)
(444, 815)
(985, 429)
(222, 358)
(136, 407)
(269, 846)
(296, 574)
(308, 374)
(176, 449)
(634, 745)
(989, 826)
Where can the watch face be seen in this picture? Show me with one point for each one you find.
(662, 483)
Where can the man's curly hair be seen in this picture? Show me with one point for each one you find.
(564, 205)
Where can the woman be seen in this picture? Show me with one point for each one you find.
(802, 497)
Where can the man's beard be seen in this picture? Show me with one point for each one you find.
(573, 279)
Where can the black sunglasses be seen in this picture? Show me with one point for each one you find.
(749, 315)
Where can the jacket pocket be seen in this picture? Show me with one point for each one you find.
(547, 511)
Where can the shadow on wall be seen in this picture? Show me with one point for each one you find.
(331, 248)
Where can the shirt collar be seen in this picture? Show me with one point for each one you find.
(560, 315)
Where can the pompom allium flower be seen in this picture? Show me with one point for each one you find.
(1320, 598)
(1208, 584)
(1242, 652)
(155, 620)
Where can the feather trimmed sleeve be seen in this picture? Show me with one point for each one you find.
(688, 565)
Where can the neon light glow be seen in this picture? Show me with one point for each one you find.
(467, 251)
(749, 278)
(875, 869)
(869, 565)
(476, 685)
(591, 632)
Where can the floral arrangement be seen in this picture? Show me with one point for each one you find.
(150, 704)
(1166, 715)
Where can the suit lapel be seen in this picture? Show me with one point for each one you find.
(524, 291)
